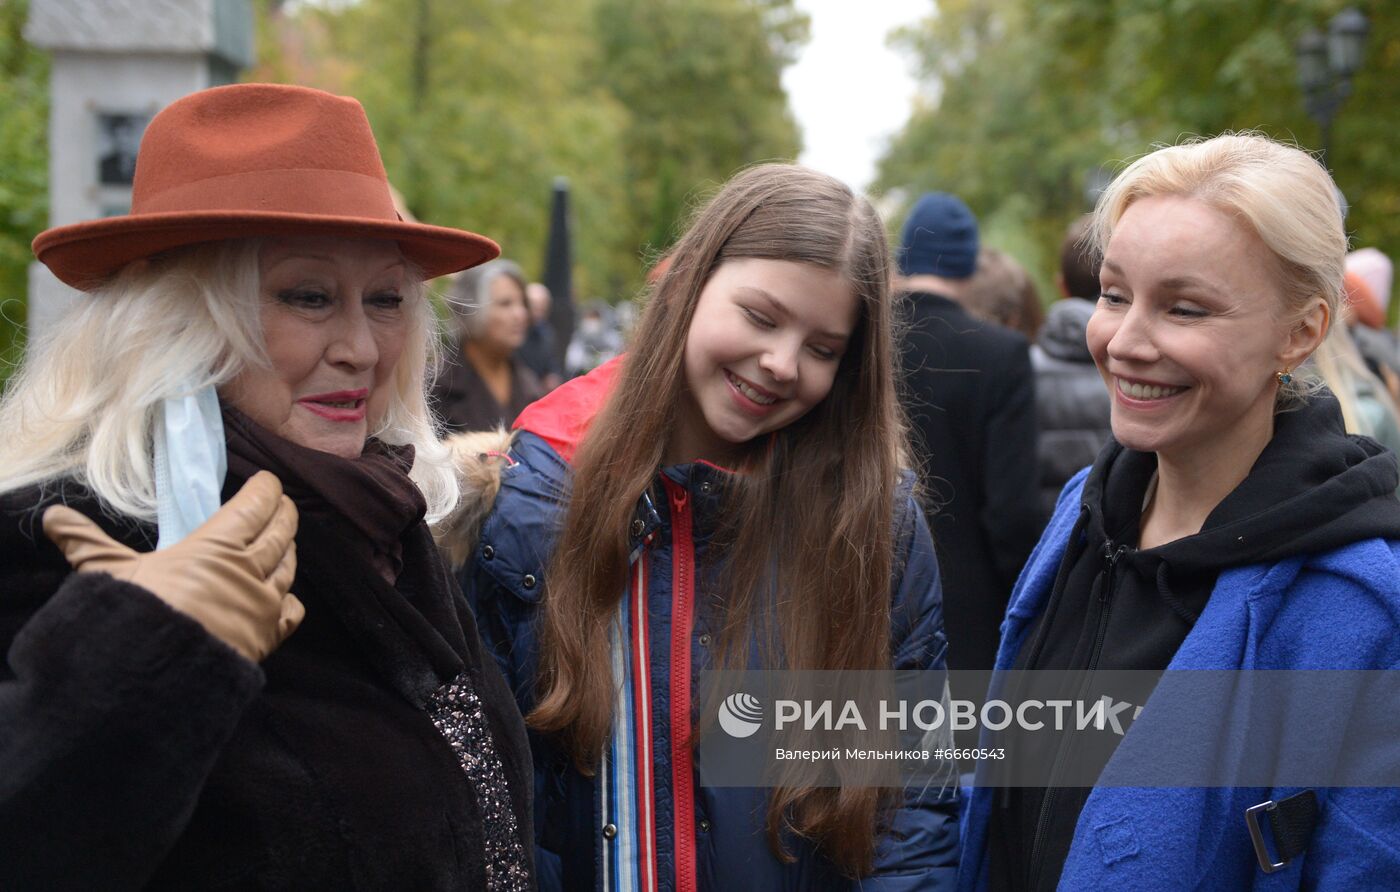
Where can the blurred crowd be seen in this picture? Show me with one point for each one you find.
(506, 352)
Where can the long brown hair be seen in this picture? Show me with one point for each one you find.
(817, 494)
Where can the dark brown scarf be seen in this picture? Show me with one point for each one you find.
(411, 624)
(373, 492)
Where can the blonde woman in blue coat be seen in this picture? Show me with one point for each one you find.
(1231, 524)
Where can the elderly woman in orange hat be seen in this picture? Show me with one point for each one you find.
(235, 412)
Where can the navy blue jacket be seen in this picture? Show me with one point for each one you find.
(725, 826)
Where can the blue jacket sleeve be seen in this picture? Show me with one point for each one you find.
(920, 851)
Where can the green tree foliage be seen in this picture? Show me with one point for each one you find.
(1030, 99)
(479, 104)
(24, 159)
(701, 81)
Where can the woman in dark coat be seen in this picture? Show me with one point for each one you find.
(255, 333)
(482, 384)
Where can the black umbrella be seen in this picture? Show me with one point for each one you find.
(559, 270)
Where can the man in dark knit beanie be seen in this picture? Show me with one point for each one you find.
(939, 239)
(970, 395)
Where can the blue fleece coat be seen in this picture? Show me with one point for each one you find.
(1337, 610)
(504, 581)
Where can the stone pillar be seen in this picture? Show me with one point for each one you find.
(115, 64)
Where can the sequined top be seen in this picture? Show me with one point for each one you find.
(457, 713)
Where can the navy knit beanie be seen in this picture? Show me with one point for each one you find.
(940, 238)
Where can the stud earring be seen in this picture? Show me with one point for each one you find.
(1284, 377)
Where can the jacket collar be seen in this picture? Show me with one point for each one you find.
(561, 417)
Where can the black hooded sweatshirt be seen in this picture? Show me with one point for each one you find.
(1314, 488)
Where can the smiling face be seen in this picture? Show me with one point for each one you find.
(335, 318)
(763, 348)
(1190, 332)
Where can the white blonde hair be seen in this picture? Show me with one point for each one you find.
(83, 404)
(1280, 192)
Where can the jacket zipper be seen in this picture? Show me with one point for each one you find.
(682, 601)
(1111, 554)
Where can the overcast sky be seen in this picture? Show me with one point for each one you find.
(850, 91)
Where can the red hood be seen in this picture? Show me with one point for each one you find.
(562, 416)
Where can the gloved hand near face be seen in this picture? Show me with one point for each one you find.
(231, 575)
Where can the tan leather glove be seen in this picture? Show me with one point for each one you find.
(232, 574)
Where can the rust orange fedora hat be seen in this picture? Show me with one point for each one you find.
(254, 160)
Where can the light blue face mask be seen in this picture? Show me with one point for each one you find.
(190, 463)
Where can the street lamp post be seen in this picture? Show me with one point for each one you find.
(1326, 64)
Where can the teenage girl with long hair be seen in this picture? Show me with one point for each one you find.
(729, 493)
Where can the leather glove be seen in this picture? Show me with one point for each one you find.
(231, 575)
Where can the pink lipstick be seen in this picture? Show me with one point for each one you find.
(338, 405)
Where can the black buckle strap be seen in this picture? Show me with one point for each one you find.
(1292, 821)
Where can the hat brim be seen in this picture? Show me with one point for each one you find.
(84, 255)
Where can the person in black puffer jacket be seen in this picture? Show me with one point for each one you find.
(1071, 404)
